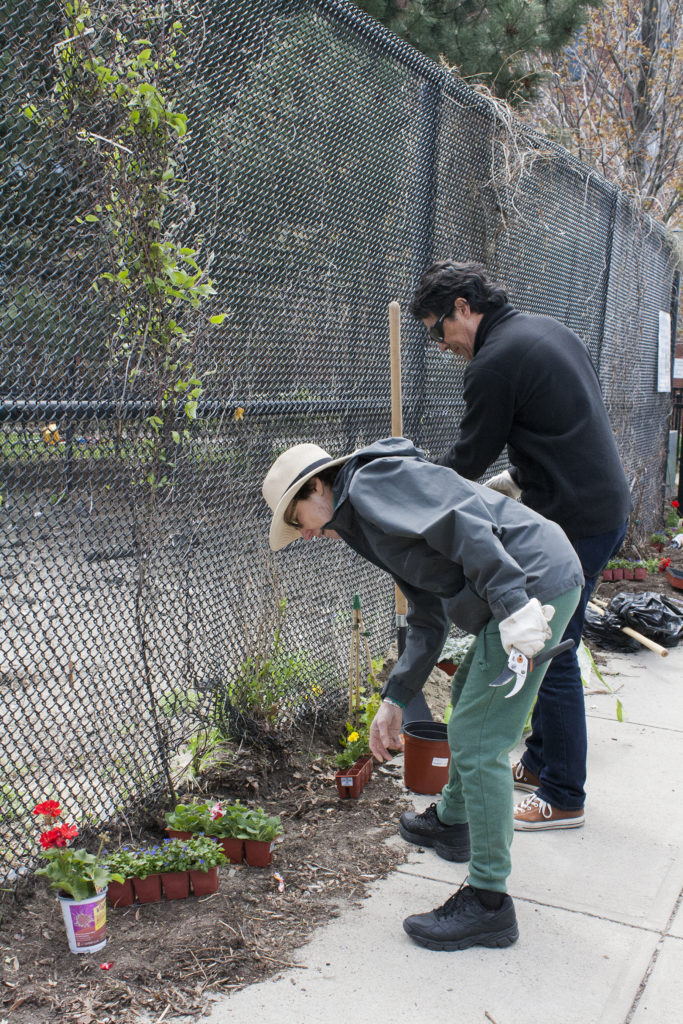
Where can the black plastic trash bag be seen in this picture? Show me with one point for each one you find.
(655, 615)
(605, 631)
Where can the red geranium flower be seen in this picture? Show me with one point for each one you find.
(53, 837)
(59, 836)
(664, 563)
(50, 808)
(675, 504)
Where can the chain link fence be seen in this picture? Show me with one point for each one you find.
(325, 165)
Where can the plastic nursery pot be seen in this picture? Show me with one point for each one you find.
(85, 922)
(617, 574)
(147, 890)
(204, 883)
(640, 572)
(258, 852)
(174, 833)
(365, 762)
(233, 850)
(120, 894)
(608, 575)
(350, 782)
(447, 666)
(628, 574)
(176, 884)
(426, 756)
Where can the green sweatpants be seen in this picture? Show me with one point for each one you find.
(483, 728)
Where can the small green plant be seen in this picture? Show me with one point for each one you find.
(356, 743)
(455, 648)
(658, 538)
(201, 853)
(193, 818)
(124, 862)
(255, 823)
(225, 820)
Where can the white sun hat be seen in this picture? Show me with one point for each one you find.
(285, 478)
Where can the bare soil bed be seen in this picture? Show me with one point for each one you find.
(654, 581)
(167, 959)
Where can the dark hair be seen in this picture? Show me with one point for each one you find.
(446, 281)
(328, 476)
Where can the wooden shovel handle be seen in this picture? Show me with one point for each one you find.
(644, 640)
(400, 599)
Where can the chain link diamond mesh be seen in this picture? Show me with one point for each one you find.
(326, 164)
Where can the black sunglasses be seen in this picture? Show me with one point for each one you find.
(436, 332)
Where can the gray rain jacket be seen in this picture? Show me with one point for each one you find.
(459, 551)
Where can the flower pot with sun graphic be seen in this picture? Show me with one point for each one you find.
(85, 922)
(80, 879)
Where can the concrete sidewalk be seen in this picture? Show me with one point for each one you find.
(599, 908)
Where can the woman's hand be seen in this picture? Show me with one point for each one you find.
(385, 731)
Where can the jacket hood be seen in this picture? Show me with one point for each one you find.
(389, 447)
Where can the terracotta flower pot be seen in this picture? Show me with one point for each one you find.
(147, 890)
(617, 574)
(628, 574)
(640, 572)
(120, 894)
(608, 575)
(174, 833)
(258, 852)
(233, 849)
(176, 884)
(350, 782)
(204, 882)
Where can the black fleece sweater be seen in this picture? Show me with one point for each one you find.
(532, 386)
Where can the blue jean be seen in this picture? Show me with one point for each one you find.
(557, 745)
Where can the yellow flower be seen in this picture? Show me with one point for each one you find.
(353, 736)
(239, 413)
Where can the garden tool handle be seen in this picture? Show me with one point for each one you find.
(400, 600)
(644, 640)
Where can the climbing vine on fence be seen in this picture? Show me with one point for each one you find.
(113, 103)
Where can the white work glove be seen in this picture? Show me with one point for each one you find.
(504, 484)
(527, 629)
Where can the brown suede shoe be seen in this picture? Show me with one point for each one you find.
(534, 813)
(524, 779)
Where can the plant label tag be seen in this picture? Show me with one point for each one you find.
(346, 780)
(439, 762)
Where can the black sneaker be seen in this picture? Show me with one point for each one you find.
(463, 922)
(452, 842)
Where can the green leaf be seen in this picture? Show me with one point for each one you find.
(92, 219)
(218, 318)
(191, 410)
(176, 436)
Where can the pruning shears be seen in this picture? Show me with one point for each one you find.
(519, 666)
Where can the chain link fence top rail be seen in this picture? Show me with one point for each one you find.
(326, 164)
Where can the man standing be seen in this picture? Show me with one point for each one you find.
(530, 385)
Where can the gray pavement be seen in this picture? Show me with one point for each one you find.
(600, 908)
